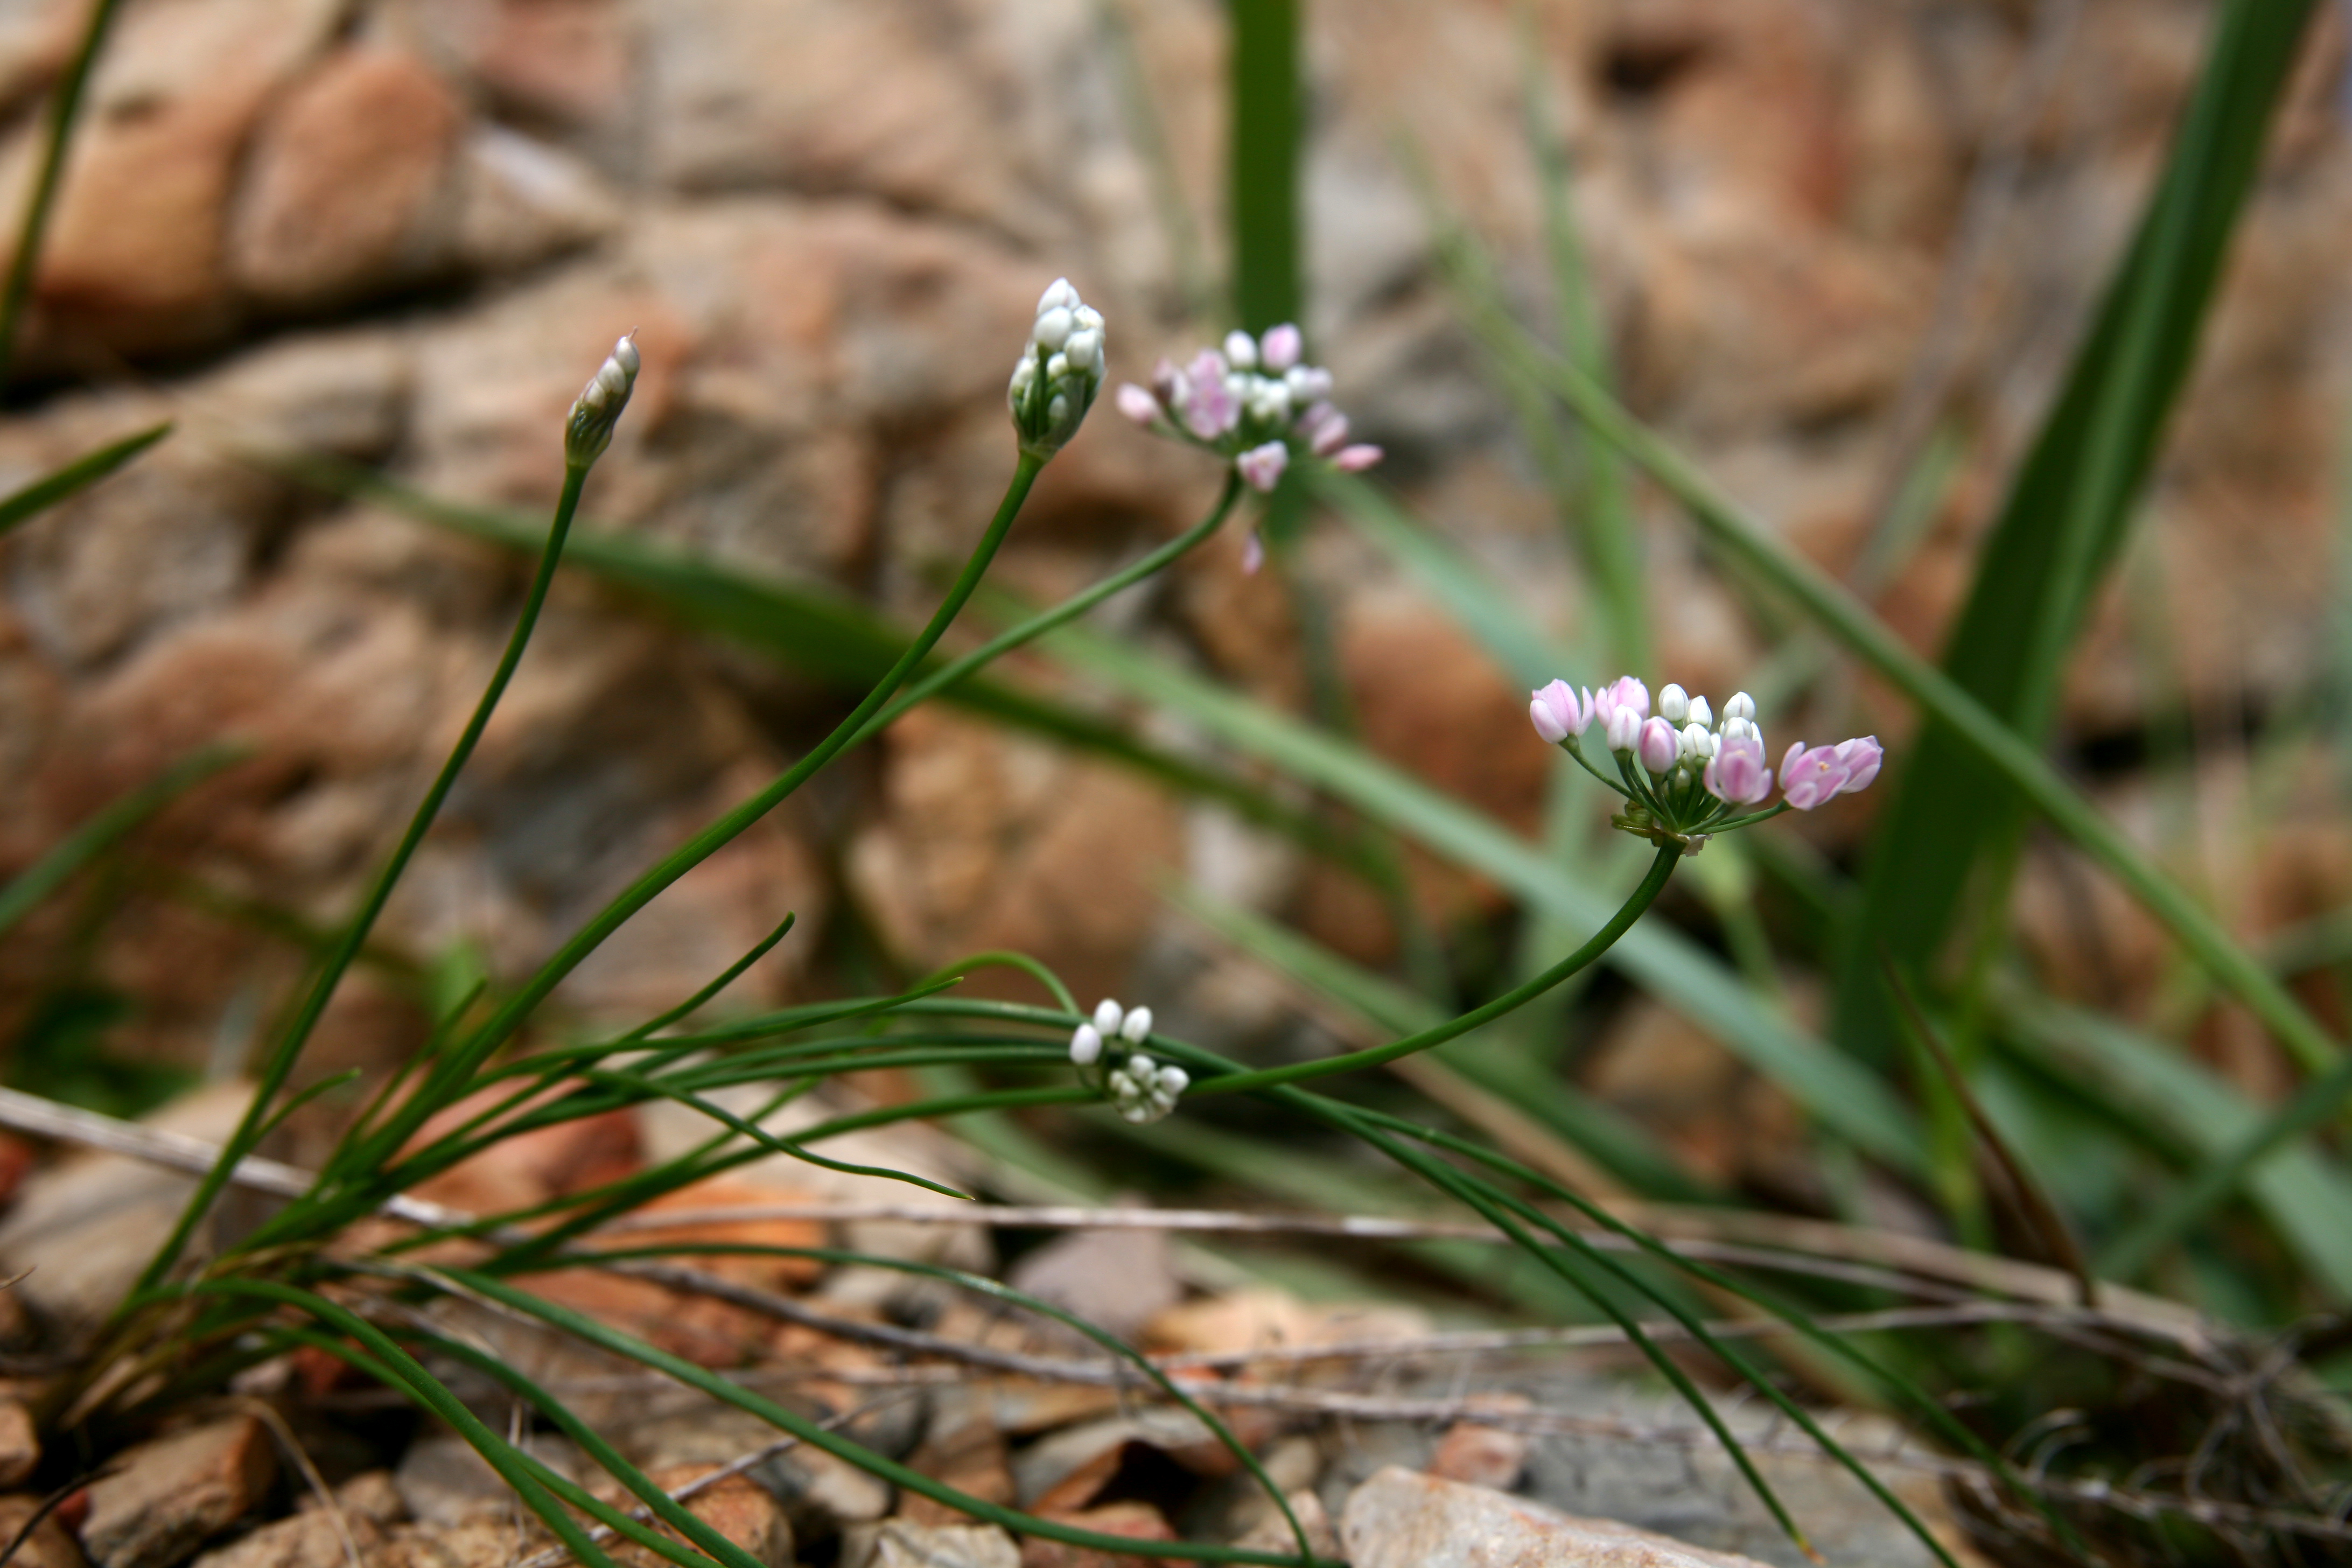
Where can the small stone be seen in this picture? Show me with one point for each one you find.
(901, 1543)
(50, 1544)
(736, 1508)
(165, 1498)
(20, 1443)
(1134, 1520)
(1480, 1455)
(1402, 1519)
(1272, 1534)
(443, 1482)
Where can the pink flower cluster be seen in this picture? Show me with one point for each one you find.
(1253, 401)
(1683, 741)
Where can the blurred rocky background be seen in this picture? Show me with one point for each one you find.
(402, 232)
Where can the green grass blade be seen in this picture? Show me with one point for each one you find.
(1262, 160)
(590, 1331)
(1954, 820)
(1618, 1143)
(104, 829)
(65, 108)
(75, 476)
(2306, 1195)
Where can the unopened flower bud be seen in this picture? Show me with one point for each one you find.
(1281, 348)
(1355, 459)
(1741, 705)
(1139, 404)
(1106, 1016)
(1059, 373)
(1701, 714)
(1085, 1045)
(1674, 703)
(1241, 350)
(1659, 746)
(598, 407)
(1136, 1026)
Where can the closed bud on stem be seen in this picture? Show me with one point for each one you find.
(1674, 704)
(598, 408)
(1659, 746)
(1701, 714)
(1059, 372)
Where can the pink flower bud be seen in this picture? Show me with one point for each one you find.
(1660, 747)
(1209, 407)
(1558, 711)
(1280, 348)
(1329, 431)
(1253, 553)
(1862, 758)
(1261, 467)
(1738, 775)
(1139, 404)
(1811, 778)
(1355, 459)
(1624, 694)
(1624, 728)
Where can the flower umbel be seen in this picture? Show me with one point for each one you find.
(1684, 775)
(1255, 402)
(1059, 373)
(1141, 1090)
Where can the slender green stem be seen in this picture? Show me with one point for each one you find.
(297, 1033)
(63, 110)
(461, 1063)
(1068, 610)
(1001, 959)
(1662, 865)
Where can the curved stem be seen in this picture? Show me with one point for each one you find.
(297, 1033)
(1652, 885)
(1068, 610)
(1004, 959)
(460, 1064)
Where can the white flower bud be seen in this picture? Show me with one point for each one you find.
(1053, 330)
(1241, 350)
(1059, 295)
(1741, 705)
(598, 407)
(1108, 1014)
(1308, 384)
(1674, 704)
(1085, 1045)
(1083, 350)
(1701, 714)
(1698, 740)
(1136, 1026)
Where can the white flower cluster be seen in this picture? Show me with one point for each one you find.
(1140, 1089)
(1059, 373)
(1143, 1091)
(598, 408)
(1255, 401)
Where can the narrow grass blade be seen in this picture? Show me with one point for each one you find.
(1627, 1152)
(105, 828)
(1954, 819)
(75, 476)
(65, 108)
(1262, 156)
(2303, 1194)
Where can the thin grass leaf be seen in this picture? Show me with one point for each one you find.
(2193, 1114)
(106, 827)
(21, 506)
(613, 1341)
(65, 109)
(1620, 1145)
(1955, 819)
(1262, 154)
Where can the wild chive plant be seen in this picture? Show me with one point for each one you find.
(185, 1329)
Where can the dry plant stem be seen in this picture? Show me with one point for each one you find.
(347, 947)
